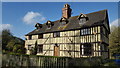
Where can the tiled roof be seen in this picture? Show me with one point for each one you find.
(95, 18)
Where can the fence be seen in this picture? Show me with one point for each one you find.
(47, 61)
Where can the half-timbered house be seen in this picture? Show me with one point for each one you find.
(85, 35)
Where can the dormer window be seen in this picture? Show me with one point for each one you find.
(63, 21)
(49, 24)
(82, 18)
(38, 26)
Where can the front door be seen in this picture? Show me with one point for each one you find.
(56, 50)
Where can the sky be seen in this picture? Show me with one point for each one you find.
(20, 17)
(60, 0)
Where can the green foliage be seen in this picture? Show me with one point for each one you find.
(11, 43)
(19, 51)
(114, 40)
(36, 46)
(6, 37)
(33, 50)
(18, 48)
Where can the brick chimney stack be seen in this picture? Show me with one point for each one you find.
(66, 11)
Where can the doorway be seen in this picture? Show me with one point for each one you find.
(56, 50)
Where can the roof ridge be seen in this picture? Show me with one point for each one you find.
(98, 11)
(92, 12)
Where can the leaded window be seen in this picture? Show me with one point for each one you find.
(29, 47)
(85, 31)
(83, 20)
(56, 34)
(49, 24)
(40, 36)
(30, 37)
(86, 49)
(40, 49)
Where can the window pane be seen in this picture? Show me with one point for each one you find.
(30, 37)
(88, 31)
(81, 32)
(85, 31)
(86, 49)
(29, 47)
(40, 36)
(63, 23)
(40, 49)
(82, 20)
(57, 34)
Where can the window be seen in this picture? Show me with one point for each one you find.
(49, 24)
(63, 23)
(29, 47)
(105, 47)
(86, 49)
(85, 31)
(88, 31)
(30, 37)
(94, 30)
(40, 49)
(40, 36)
(56, 34)
(82, 33)
(38, 26)
(82, 20)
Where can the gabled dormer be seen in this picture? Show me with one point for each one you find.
(82, 18)
(49, 24)
(63, 21)
(38, 25)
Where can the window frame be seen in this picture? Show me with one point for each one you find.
(40, 48)
(30, 37)
(56, 34)
(85, 31)
(40, 36)
(85, 50)
(83, 20)
(29, 47)
(63, 23)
